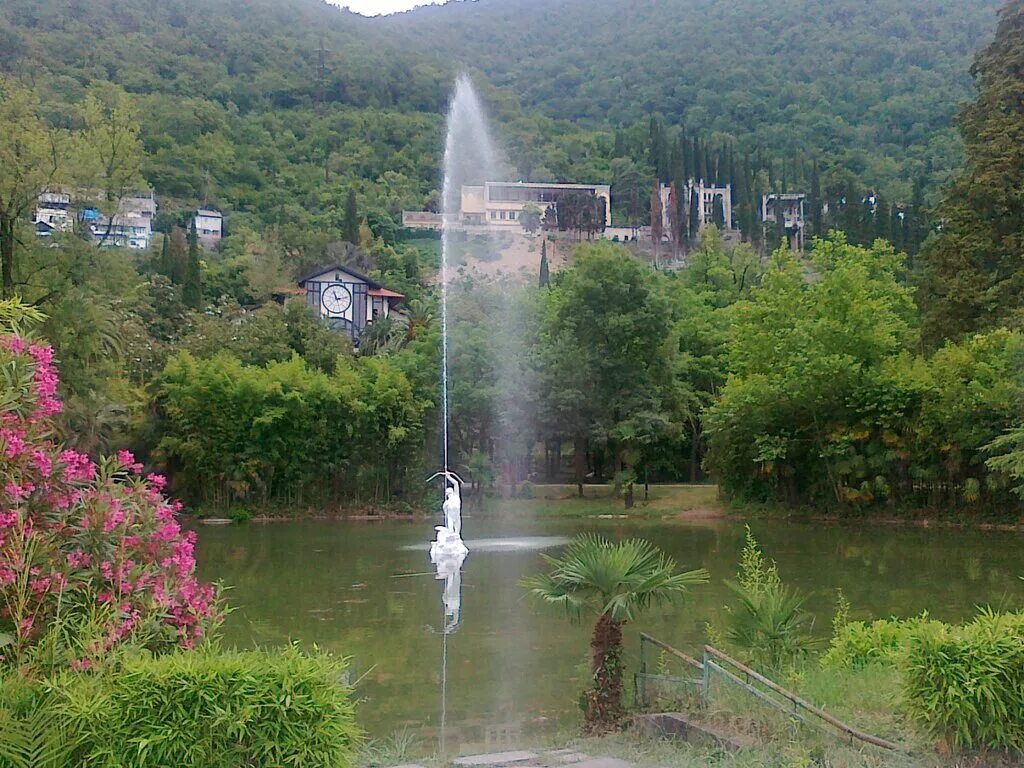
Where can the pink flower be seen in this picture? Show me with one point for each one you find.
(158, 481)
(42, 462)
(127, 460)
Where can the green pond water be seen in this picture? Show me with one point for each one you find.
(514, 666)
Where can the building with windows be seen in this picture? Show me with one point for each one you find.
(347, 300)
(52, 214)
(131, 227)
(786, 211)
(209, 226)
(706, 196)
(500, 203)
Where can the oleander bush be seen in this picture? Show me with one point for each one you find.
(90, 548)
(965, 684)
(205, 707)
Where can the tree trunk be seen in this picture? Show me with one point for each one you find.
(579, 463)
(695, 454)
(628, 496)
(7, 256)
(604, 699)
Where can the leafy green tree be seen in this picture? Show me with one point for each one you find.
(350, 226)
(31, 159)
(614, 582)
(530, 218)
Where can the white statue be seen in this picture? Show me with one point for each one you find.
(452, 505)
(449, 536)
(449, 568)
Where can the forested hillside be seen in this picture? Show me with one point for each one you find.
(869, 85)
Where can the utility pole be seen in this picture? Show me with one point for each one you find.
(321, 75)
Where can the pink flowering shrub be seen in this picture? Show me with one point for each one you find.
(92, 548)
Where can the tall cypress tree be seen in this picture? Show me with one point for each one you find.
(163, 263)
(192, 289)
(972, 272)
(815, 203)
(544, 277)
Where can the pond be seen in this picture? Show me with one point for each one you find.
(366, 591)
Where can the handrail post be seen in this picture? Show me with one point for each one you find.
(641, 687)
(705, 680)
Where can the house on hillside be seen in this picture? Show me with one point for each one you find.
(131, 227)
(52, 213)
(209, 226)
(347, 300)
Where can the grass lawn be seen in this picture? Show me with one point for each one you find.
(695, 501)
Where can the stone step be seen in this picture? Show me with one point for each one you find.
(496, 758)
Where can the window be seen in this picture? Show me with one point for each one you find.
(494, 214)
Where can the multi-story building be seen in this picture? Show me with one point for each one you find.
(501, 203)
(708, 195)
(130, 227)
(209, 226)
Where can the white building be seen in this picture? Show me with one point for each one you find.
(500, 203)
(209, 226)
(347, 300)
(52, 214)
(787, 211)
(131, 227)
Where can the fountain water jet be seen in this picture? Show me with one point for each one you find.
(469, 157)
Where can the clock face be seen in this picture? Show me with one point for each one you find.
(336, 298)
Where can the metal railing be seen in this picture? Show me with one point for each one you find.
(715, 662)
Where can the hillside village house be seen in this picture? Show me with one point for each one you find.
(131, 227)
(348, 300)
(52, 214)
(209, 226)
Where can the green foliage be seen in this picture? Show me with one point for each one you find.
(971, 275)
(966, 684)
(598, 577)
(210, 708)
(192, 289)
(885, 641)
(828, 405)
(236, 433)
(613, 582)
(835, 108)
(768, 622)
(757, 573)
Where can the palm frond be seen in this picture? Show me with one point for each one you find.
(618, 579)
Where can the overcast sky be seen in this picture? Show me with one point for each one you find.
(377, 7)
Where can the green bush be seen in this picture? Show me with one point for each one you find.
(886, 641)
(210, 709)
(966, 684)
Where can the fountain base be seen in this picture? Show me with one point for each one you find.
(447, 546)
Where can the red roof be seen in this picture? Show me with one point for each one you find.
(385, 293)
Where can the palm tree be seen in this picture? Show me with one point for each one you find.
(615, 582)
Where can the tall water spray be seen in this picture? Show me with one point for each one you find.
(469, 158)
